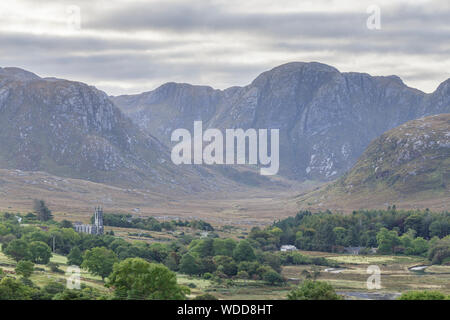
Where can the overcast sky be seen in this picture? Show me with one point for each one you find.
(131, 46)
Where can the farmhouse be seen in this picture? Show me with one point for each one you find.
(288, 248)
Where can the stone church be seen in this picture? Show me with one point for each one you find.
(96, 228)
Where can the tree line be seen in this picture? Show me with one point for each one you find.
(392, 231)
(150, 223)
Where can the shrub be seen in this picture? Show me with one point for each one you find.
(206, 296)
(54, 267)
(313, 290)
(207, 276)
(273, 278)
(422, 295)
(25, 268)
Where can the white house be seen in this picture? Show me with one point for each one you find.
(288, 247)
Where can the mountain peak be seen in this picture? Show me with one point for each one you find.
(302, 66)
(444, 86)
(293, 71)
(18, 74)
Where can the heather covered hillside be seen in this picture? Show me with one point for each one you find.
(409, 164)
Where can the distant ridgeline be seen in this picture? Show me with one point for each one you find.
(150, 223)
(391, 231)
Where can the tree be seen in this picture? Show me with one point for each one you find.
(420, 246)
(25, 268)
(66, 224)
(226, 265)
(273, 260)
(75, 258)
(439, 228)
(40, 252)
(51, 289)
(250, 267)
(224, 247)
(54, 267)
(207, 265)
(18, 250)
(439, 252)
(422, 295)
(189, 265)
(341, 236)
(202, 247)
(3, 230)
(99, 261)
(387, 241)
(273, 277)
(324, 238)
(135, 278)
(172, 261)
(87, 293)
(313, 290)
(42, 211)
(13, 289)
(244, 252)
(30, 216)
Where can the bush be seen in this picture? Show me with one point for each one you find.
(51, 289)
(189, 265)
(40, 252)
(439, 251)
(205, 296)
(313, 290)
(13, 289)
(25, 268)
(422, 295)
(273, 278)
(135, 278)
(207, 276)
(54, 267)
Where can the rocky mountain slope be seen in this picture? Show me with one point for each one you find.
(413, 157)
(70, 129)
(410, 163)
(326, 118)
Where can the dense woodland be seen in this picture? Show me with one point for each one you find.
(390, 231)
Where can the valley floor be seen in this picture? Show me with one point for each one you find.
(74, 200)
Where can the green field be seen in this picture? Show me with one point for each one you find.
(395, 278)
(43, 275)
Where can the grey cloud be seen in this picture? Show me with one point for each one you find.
(186, 17)
(208, 17)
(417, 30)
(52, 43)
(405, 29)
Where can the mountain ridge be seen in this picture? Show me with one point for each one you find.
(408, 165)
(312, 104)
(71, 129)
